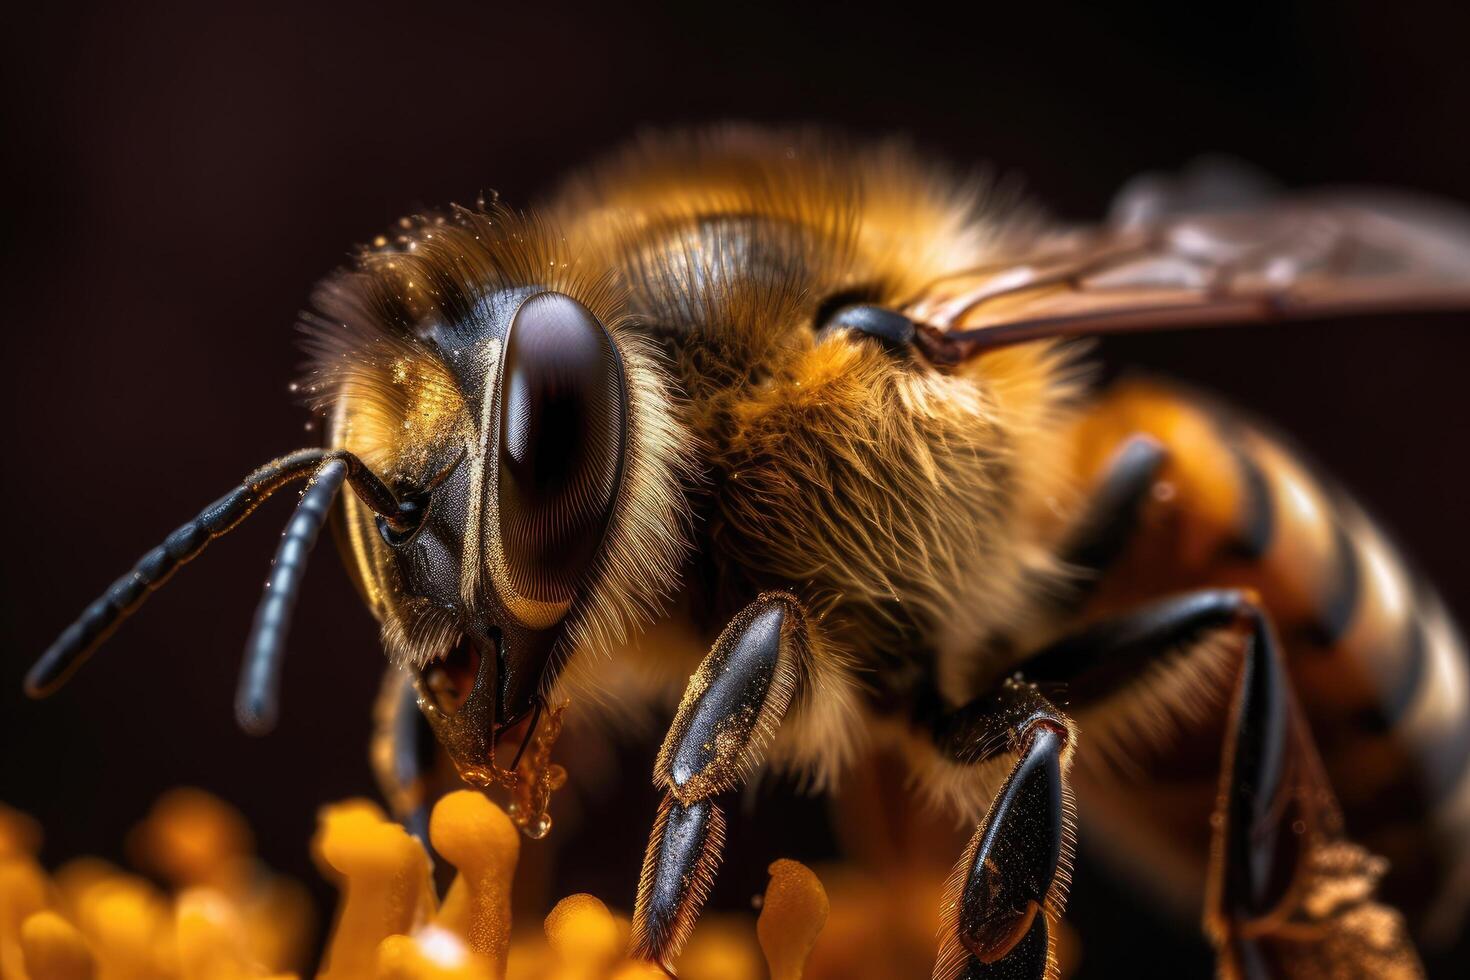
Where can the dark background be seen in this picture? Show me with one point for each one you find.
(179, 178)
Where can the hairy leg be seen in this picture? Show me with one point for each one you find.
(1289, 895)
(731, 709)
(1008, 890)
(402, 752)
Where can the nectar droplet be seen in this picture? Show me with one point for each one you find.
(539, 827)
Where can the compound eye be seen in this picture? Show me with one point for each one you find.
(561, 445)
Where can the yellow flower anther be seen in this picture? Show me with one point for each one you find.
(432, 953)
(280, 920)
(478, 838)
(383, 874)
(454, 911)
(793, 914)
(212, 941)
(22, 894)
(53, 949)
(20, 835)
(95, 921)
(334, 812)
(720, 949)
(130, 927)
(191, 838)
(78, 878)
(639, 971)
(584, 935)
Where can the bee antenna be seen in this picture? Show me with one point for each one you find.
(257, 701)
(256, 704)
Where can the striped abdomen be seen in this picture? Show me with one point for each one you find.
(1378, 666)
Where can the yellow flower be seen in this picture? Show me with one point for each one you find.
(230, 919)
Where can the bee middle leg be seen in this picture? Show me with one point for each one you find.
(1008, 889)
(402, 753)
(1288, 894)
(730, 710)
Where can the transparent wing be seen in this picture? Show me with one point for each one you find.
(1216, 246)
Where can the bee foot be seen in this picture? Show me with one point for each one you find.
(731, 709)
(1014, 871)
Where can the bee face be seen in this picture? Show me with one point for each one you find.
(510, 536)
(500, 396)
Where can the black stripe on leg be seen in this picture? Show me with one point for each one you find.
(746, 689)
(1108, 655)
(678, 870)
(403, 748)
(1261, 850)
(1018, 853)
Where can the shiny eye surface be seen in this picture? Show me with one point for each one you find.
(561, 444)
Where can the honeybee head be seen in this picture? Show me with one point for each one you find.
(530, 437)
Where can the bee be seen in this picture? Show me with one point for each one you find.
(805, 429)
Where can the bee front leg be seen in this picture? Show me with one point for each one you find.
(731, 709)
(1010, 885)
(402, 752)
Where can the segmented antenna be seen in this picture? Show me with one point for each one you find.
(258, 701)
(98, 621)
